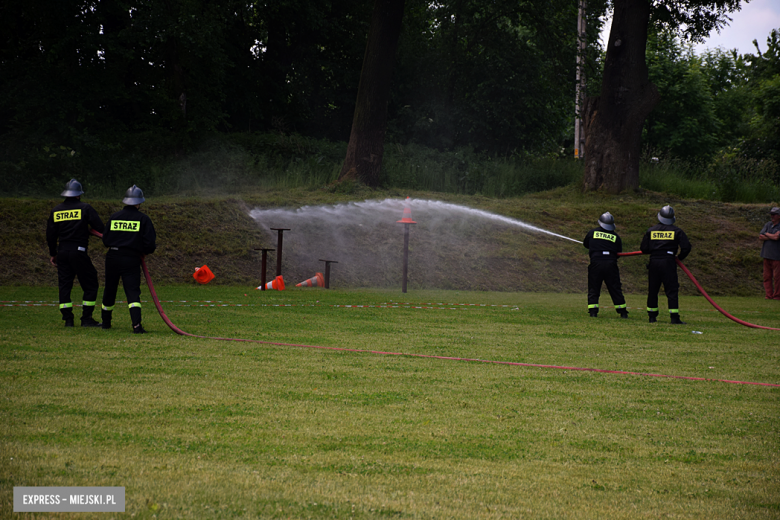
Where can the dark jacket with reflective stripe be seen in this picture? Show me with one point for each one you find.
(662, 240)
(130, 233)
(70, 222)
(599, 240)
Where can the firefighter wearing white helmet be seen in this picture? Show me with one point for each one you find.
(603, 245)
(68, 227)
(661, 242)
(129, 236)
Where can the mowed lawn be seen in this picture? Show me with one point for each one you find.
(201, 428)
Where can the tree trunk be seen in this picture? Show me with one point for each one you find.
(613, 120)
(366, 141)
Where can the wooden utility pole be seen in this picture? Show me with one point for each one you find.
(579, 128)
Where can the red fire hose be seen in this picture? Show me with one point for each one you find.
(704, 293)
(177, 330)
(448, 358)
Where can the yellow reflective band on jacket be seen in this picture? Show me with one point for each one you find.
(135, 304)
(66, 305)
(662, 235)
(72, 214)
(109, 309)
(125, 225)
(88, 304)
(604, 236)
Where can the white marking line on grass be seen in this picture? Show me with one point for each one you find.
(208, 303)
(384, 305)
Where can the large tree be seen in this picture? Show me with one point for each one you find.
(366, 141)
(614, 119)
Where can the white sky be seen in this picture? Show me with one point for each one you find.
(754, 21)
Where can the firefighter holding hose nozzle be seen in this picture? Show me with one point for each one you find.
(129, 236)
(603, 245)
(661, 243)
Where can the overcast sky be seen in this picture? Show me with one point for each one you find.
(754, 22)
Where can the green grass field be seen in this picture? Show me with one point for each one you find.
(200, 428)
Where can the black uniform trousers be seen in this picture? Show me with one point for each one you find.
(606, 271)
(128, 268)
(662, 270)
(72, 263)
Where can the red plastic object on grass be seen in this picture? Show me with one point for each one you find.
(315, 281)
(203, 274)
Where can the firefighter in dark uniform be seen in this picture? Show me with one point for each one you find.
(603, 246)
(69, 223)
(661, 243)
(129, 236)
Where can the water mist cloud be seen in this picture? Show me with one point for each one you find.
(367, 242)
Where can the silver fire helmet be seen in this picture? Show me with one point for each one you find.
(666, 215)
(133, 196)
(72, 189)
(607, 221)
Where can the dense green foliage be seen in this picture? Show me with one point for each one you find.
(718, 115)
(495, 76)
(764, 138)
(714, 101)
(236, 162)
(230, 93)
(75, 70)
(153, 76)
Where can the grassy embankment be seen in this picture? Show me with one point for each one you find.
(462, 253)
(198, 428)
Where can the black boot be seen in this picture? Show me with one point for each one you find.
(86, 317)
(676, 319)
(594, 313)
(106, 317)
(623, 314)
(67, 316)
(89, 322)
(651, 316)
(135, 319)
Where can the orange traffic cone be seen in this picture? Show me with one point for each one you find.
(315, 281)
(203, 274)
(277, 284)
(407, 218)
